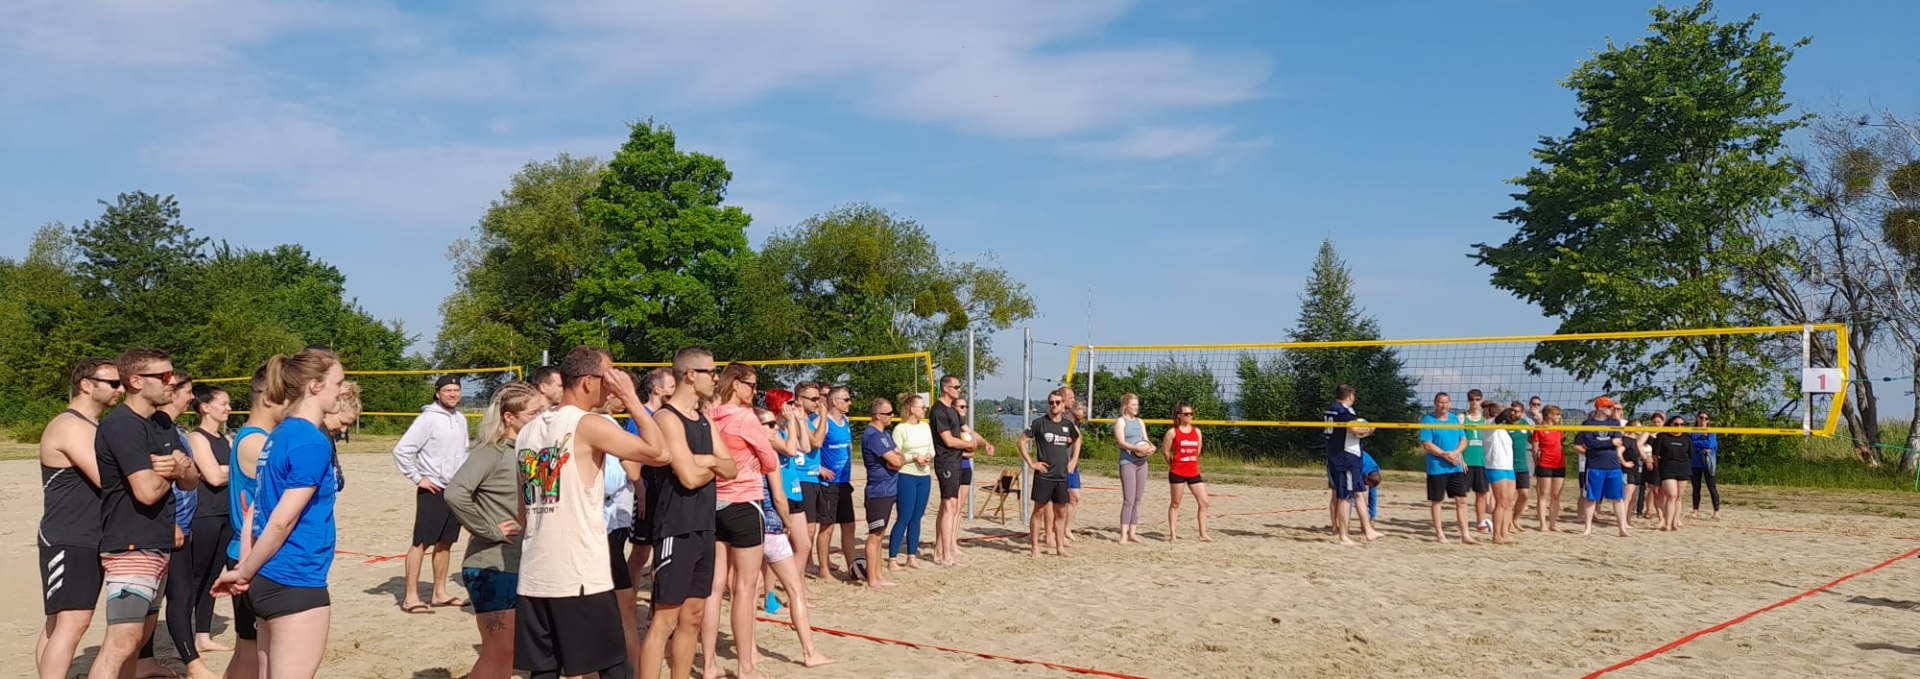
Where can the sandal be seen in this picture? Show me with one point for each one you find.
(455, 602)
(416, 609)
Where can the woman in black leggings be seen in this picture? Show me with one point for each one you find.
(1706, 462)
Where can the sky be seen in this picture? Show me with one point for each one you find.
(1154, 172)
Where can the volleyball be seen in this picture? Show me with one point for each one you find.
(1362, 432)
(859, 568)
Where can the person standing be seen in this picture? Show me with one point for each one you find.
(433, 448)
(484, 496)
(684, 519)
(1551, 466)
(1077, 412)
(949, 444)
(284, 574)
(1346, 470)
(546, 378)
(1523, 454)
(739, 524)
(69, 535)
(140, 466)
(1183, 444)
(1131, 433)
(1706, 463)
(1446, 475)
(1500, 472)
(1051, 446)
(836, 470)
(1605, 459)
(813, 433)
(1476, 461)
(212, 526)
(883, 460)
(1674, 448)
(655, 387)
(915, 480)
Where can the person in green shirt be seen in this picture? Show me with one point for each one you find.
(484, 496)
(1476, 461)
(1523, 453)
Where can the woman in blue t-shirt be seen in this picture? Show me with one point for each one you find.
(284, 574)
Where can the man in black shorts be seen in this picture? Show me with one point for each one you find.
(433, 448)
(70, 526)
(140, 464)
(882, 458)
(1055, 443)
(684, 519)
(1446, 469)
(949, 443)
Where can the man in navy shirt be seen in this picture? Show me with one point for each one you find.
(1604, 452)
(1346, 472)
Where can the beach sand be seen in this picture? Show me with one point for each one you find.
(1271, 596)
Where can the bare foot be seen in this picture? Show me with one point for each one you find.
(1625, 533)
(1468, 540)
(1347, 542)
(883, 584)
(816, 659)
(1206, 538)
(198, 670)
(1716, 514)
(892, 566)
(206, 644)
(1587, 531)
(1375, 535)
(1036, 553)
(713, 671)
(913, 563)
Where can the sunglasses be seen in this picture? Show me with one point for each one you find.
(1185, 414)
(769, 424)
(1054, 401)
(709, 371)
(111, 384)
(165, 378)
(750, 385)
(878, 413)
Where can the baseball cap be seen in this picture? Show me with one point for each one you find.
(1604, 402)
(444, 381)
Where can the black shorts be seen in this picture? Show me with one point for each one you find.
(740, 525)
(272, 600)
(798, 508)
(642, 523)
(949, 477)
(879, 509)
(814, 495)
(836, 504)
(1443, 486)
(1477, 479)
(1632, 475)
(682, 569)
(433, 523)
(617, 557)
(70, 578)
(1050, 491)
(573, 635)
(243, 618)
(1677, 472)
(1551, 472)
(1174, 479)
(966, 477)
(1522, 480)
(1344, 476)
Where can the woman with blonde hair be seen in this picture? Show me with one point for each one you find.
(484, 496)
(1550, 468)
(284, 573)
(915, 437)
(1131, 434)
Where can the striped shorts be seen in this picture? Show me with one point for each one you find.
(132, 584)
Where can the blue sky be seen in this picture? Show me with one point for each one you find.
(1181, 160)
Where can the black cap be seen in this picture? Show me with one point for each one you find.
(444, 381)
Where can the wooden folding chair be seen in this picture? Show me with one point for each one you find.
(1007, 487)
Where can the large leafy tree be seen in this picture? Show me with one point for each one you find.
(674, 251)
(1644, 217)
(1329, 313)
(137, 262)
(516, 274)
(860, 281)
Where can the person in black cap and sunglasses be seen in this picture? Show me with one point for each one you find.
(433, 449)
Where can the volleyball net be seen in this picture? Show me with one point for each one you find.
(1772, 380)
(866, 377)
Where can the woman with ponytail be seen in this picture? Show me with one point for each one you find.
(284, 574)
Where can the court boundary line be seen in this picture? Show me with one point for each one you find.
(944, 649)
(1682, 641)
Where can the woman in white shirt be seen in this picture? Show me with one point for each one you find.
(1500, 474)
(915, 438)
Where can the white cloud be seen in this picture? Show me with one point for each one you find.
(1159, 143)
(173, 33)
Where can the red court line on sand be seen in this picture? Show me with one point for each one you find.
(1743, 618)
(977, 654)
(371, 558)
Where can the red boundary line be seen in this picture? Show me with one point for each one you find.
(977, 654)
(371, 558)
(1743, 618)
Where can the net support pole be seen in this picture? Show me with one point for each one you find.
(1806, 361)
(1026, 415)
(970, 399)
(1089, 383)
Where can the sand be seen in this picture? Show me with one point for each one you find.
(1270, 596)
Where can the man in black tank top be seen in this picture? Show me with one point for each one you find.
(69, 538)
(683, 517)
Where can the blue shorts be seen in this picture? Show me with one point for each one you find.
(1604, 484)
(1498, 475)
(1345, 477)
(491, 591)
(1073, 480)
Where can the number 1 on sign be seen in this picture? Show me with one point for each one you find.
(1820, 380)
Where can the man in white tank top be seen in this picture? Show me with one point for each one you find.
(567, 621)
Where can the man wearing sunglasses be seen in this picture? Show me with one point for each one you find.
(1054, 440)
(139, 463)
(70, 525)
(949, 444)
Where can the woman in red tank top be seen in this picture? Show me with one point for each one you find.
(1551, 470)
(1183, 443)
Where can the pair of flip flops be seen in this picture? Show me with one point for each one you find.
(418, 609)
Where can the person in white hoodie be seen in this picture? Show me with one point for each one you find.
(429, 454)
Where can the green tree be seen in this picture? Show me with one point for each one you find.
(44, 330)
(515, 275)
(1644, 216)
(674, 251)
(1384, 392)
(860, 281)
(139, 260)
